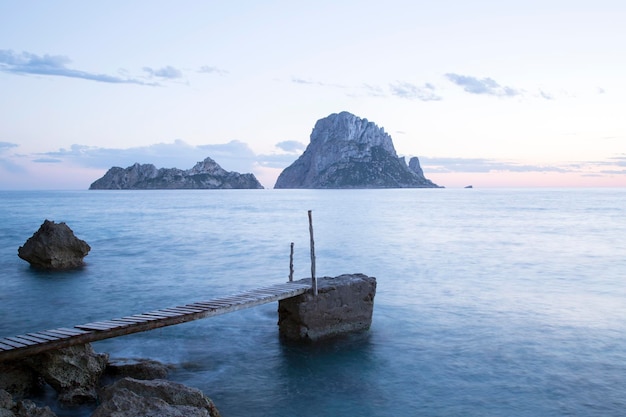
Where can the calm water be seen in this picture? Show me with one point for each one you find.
(490, 302)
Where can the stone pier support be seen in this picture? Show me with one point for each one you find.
(343, 304)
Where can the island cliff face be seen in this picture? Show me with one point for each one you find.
(349, 152)
(204, 175)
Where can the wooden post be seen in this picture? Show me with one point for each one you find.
(313, 279)
(291, 263)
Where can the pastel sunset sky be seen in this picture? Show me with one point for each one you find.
(489, 93)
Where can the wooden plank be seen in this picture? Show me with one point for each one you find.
(57, 335)
(43, 336)
(160, 314)
(66, 332)
(189, 308)
(9, 342)
(220, 304)
(21, 340)
(208, 305)
(70, 332)
(32, 338)
(144, 316)
(114, 323)
(139, 320)
(93, 326)
(5, 347)
(181, 310)
(238, 299)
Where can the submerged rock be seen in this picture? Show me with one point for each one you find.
(21, 408)
(55, 247)
(130, 397)
(136, 368)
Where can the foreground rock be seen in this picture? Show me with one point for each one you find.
(344, 304)
(21, 408)
(204, 175)
(55, 247)
(349, 152)
(76, 374)
(19, 379)
(73, 372)
(130, 397)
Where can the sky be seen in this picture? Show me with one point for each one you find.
(488, 93)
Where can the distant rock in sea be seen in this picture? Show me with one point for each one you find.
(204, 175)
(349, 152)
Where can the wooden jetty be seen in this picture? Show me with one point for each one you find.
(20, 346)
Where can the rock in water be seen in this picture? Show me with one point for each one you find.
(349, 152)
(130, 397)
(73, 372)
(54, 246)
(206, 174)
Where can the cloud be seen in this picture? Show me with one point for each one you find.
(414, 92)
(482, 165)
(165, 72)
(205, 69)
(486, 86)
(400, 89)
(27, 63)
(232, 156)
(291, 146)
(7, 145)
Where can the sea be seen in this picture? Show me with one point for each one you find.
(490, 302)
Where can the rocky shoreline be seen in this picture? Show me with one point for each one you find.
(80, 376)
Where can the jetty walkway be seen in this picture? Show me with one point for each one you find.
(16, 347)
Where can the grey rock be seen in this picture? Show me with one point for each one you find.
(130, 397)
(18, 379)
(27, 408)
(21, 408)
(346, 151)
(206, 174)
(54, 246)
(344, 304)
(136, 368)
(74, 372)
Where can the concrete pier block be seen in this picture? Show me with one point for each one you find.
(343, 304)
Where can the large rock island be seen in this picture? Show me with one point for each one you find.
(349, 152)
(204, 175)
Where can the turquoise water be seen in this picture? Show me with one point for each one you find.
(499, 302)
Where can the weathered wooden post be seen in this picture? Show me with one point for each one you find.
(291, 263)
(313, 280)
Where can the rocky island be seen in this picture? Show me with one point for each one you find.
(204, 175)
(346, 151)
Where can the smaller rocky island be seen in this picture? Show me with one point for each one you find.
(349, 152)
(207, 175)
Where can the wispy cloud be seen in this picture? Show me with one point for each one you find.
(165, 72)
(206, 69)
(486, 86)
(7, 145)
(413, 92)
(401, 89)
(291, 146)
(232, 156)
(482, 165)
(26, 63)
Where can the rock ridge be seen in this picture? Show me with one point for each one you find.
(206, 174)
(346, 151)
